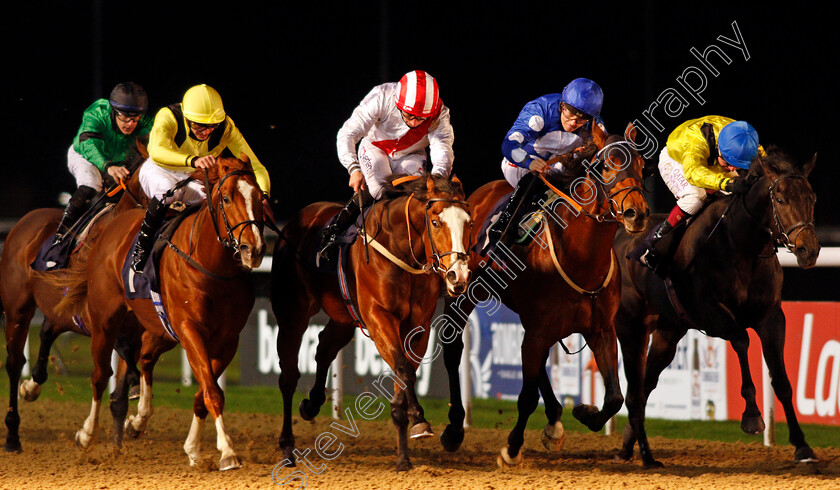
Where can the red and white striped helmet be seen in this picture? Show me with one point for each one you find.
(418, 94)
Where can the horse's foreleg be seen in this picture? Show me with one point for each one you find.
(399, 416)
(633, 335)
(751, 422)
(17, 329)
(453, 349)
(771, 331)
(554, 435)
(214, 398)
(289, 337)
(332, 338)
(31, 388)
(152, 348)
(102, 344)
(605, 350)
(534, 355)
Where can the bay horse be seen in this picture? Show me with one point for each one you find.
(22, 291)
(204, 287)
(563, 281)
(419, 240)
(726, 278)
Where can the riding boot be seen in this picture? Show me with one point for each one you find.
(76, 207)
(646, 253)
(339, 224)
(155, 213)
(524, 191)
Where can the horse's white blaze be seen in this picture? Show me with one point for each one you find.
(247, 190)
(144, 407)
(192, 446)
(223, 441)
(456, 220)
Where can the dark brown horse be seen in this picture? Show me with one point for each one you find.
(22, 291)
(205, 289)
(726, 278)
(563, 281)
(425, 230)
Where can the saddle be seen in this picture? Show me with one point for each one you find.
(57, 257)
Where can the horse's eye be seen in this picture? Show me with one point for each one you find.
(779, 200)
(435, 223)
(471, 223)
(225, 199)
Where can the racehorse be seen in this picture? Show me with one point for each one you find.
(419, 240)
(204, 287)
(564, 280)
(22, 291)
(724, 277)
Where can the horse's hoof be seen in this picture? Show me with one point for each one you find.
(134, 392)
(805, 454)
(403, 465)
(130, 430)
(451, 438)
(505, 461)
(13, 447)
(586, 415)
(553, 437)
(230, 463)
(421, 431)
(84, 440)
(29, 390)
(306, 410)
(623, 455)
(651, 464)
(752, 424)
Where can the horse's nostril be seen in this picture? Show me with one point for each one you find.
(452, 277)
(244, 249)
(630, 214)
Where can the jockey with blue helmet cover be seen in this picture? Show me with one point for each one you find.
(701, 155)
(550, 125)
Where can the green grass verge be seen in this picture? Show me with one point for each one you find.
(168, 392)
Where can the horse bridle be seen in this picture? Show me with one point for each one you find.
(615, 213)
(798, 227)
(433, 254)
(230, 241)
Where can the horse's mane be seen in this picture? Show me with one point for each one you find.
(779, 159)
(417, 186)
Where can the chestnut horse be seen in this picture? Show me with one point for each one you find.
(204, 287)
(425, 231)
(726, 278)
(564, 280)
(22, 291)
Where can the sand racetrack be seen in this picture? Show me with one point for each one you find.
(156, 460)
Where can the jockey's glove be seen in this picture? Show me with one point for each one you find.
(739, 186)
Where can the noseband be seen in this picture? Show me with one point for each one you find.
(230, 241)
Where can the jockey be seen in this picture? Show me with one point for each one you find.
(185, 137)
(395, 123)
(105, 142)
(550, 125)
(701, 156)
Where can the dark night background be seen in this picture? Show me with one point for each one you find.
(290, 73)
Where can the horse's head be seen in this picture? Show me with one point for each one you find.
(622, 174)
(791, 203)
(236, 208)
(448, 223)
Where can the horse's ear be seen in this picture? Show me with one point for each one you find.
(244, 157)
(630, 133)
(598, 135)
(806, 169)
(430, 184)
(456, 184)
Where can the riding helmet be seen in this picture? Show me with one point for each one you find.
(738, 143)
(584, 95)
(418, 94)
(129, 98)
(203, 105)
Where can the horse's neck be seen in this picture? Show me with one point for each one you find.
(583, 238)
(393, 229)
(197, 236)
(750, 224)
